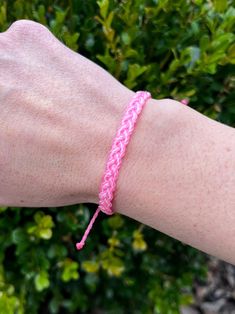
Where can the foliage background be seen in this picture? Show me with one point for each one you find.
(177, 49)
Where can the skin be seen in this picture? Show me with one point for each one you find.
(58, 120)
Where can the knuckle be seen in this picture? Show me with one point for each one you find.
(26, 28)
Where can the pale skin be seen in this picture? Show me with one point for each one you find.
(59, 114)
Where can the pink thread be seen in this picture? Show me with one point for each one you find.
(184, 101)
(109, 179)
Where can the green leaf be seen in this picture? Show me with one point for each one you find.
(134, 71)
(46, 221)
(60, 16)
(3, 209)
(42, 281)
(139, 245)
(220, 5)
(116, 221)
(3, 14)
(70, 270)
(18, 236)
(38, 217)
(190, 56)
(126, 38)
(45, 234)
(104, 6)
(204, 42)
(186, 299)
(43, 226)
(222, 41)
(231, 51)
(114, 266)
(90, 266)
(174, 65)
(114, 241)
(71, 40)
(40, 14)
(108, 61)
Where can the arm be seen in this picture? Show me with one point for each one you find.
(178, 176)
(58, 120)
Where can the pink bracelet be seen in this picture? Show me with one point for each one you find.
(109, 179)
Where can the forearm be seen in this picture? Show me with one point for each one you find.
(178, 176)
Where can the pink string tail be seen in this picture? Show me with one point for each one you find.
(113, 164)
(80, 244)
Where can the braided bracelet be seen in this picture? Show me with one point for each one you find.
(109, 179)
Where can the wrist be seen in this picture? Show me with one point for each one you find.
(158, 123)
(99, 141)
(156, 115)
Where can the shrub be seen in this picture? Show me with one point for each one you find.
(178, 49)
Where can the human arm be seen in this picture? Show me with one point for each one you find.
(178, 177)
(58, 120)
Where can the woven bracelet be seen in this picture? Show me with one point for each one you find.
(109, 179)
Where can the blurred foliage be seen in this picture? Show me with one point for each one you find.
(176, 49)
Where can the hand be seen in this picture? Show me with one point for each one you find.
(59, 112)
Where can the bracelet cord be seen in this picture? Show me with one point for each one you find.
(117, 152)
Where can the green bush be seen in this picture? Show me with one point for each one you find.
(178, 49)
